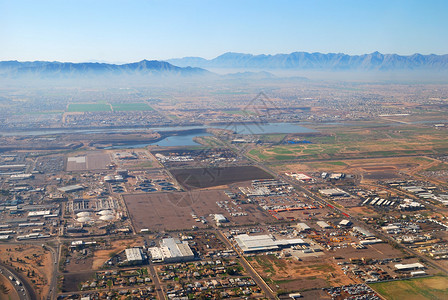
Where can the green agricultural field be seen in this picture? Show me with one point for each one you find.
(48, 112)
(88, 107)
(435, 287)
(346, 142)
(131, 107)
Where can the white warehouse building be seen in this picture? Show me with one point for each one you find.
(264, 242)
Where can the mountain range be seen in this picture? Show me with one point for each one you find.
(319, 61)
(196, 66)
(67, 70)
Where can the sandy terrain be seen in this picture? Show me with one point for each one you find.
(292, 275)
(29, 259)
(7, 291)
(168, 211)
(101, 256)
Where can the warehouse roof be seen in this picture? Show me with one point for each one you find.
(409, 266)
(134, 254)
(71, 188)
(263, 242)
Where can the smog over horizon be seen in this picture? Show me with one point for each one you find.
(223, 150)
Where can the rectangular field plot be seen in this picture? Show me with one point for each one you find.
(131, 107)
(90, 161)
(208, 177)
(88, 107)
(414, 289)
(173, 211)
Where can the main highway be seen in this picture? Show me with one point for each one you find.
(22, 287)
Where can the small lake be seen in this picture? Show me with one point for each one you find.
(170, 141)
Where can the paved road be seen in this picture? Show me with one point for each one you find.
(157, 284)
(52, 292)
(248, 267)
(24, 290)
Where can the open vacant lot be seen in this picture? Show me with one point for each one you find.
(7, 290)
(30, 259)
(170, 211)
(414, 289)
(292, 275)
(208, 177)
(368, 169)
(89, 161)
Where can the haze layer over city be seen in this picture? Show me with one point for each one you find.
(223, 150)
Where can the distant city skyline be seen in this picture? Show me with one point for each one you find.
(119, 31)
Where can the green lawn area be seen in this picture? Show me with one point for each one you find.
(88, 107)
(256, 153)
(369, 141)
(435, 287)
(282, 151)
(131, 106)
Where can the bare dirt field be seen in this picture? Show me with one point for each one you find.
(7, 290)
(72, 281)
(79, 265)
(292, 275)
(310, 295)
(209, 177)
(363, 211)
(376, 251)
(29, 260)
(368, 169)
(89, 161)
(101, 256)
(173, 211)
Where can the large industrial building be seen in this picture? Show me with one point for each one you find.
(336, 192)
(302, 227)
(363, 231)
(264, 242)
(409, 267)
(323, 225)
(134, 256)
(219, 219)
(171, 250)
(71, 188)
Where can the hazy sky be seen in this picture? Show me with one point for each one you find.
(132, 30)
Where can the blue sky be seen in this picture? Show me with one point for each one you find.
(132, 30)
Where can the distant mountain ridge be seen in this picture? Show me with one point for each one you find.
(319, 61)
(67, 69)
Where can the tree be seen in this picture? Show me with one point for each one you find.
(109, 284)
